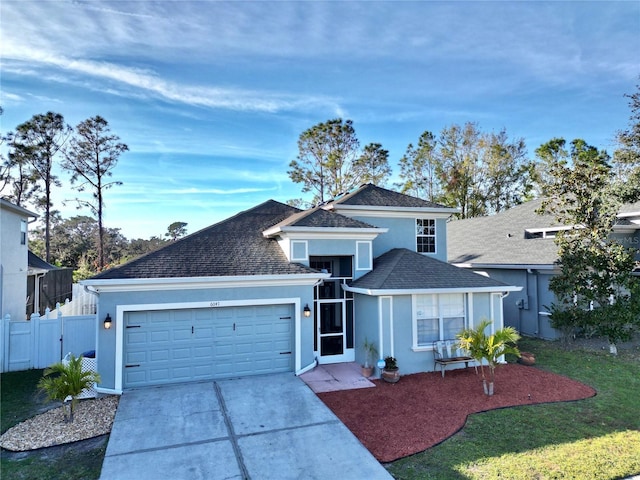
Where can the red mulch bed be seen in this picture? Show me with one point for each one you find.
(423, 409)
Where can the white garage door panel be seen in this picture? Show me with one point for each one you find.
(195, 344)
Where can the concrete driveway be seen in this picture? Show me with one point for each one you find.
(265, 427)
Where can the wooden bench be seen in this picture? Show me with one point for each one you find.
(448, 352)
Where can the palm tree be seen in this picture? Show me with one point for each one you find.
(63, 380)
(489, 348)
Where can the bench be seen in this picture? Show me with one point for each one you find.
(448, 352)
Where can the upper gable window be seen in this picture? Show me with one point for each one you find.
(425, 235)
(23, 232)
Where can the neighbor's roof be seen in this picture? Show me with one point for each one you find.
(500, 238)
(403, 269)
(370, 195)
(233, 247)
(35, 262)
(7, 205)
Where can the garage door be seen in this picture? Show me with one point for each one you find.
(171, 346)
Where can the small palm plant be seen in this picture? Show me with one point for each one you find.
(489, 348)
(63, 380)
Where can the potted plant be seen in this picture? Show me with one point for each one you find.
(370, 352)
(527, 358)
(390, 372)
(489, 348)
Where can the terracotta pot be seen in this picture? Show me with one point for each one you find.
(367, 371)
(391, 376)
(527, 358)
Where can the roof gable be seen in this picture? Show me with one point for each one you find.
(373, 196)
(317, 217)
(232, 247)
(402, 269)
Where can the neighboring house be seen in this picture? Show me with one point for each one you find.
(47, 285)
(278, 289)
(516, 247)
(14, 224)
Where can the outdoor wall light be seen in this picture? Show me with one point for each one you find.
(107, 322)
(307, 310)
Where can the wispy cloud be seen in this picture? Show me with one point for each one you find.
(215, 191)
(150, 83)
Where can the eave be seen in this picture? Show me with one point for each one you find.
(424, 291)
(508, 266)
(194, 283)
(380, 211)
(324, 232)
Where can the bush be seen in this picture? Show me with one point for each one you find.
(63, 380)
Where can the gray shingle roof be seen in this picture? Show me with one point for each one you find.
(402, 269)
(500, 238)
(373, 196)
(233, 247)
(318, 217)
(37, 262)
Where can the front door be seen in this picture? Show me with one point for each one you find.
(334, 312)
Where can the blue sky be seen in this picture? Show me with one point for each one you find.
(212, 96)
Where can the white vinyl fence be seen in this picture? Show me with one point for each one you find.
(44, 340)
(83, 303)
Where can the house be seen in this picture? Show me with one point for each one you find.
(278, 289)
(47, 285)
(516, 247)
(14, 221)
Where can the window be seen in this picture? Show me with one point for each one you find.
(438, 317)
(23, 232)
(426, 235)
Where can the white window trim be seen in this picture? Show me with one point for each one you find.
(435, 235)
(414, 321)
(306, 251)
(369, 264)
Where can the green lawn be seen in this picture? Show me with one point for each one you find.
(596, 438)
(19, 400)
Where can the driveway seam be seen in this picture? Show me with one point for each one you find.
(232, 434)
(168, 447)
(285, 429)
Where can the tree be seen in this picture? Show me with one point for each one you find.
(489, 348)
(460, 172)
(506, 172)
(551, 155)
(327, 153)
(66, 379)
(37, 142)
(627, 157)
(373, 165)
(595, 285)
(91, 157)
(176, 230)
(141, 246)
(419, 168)
(74, 244)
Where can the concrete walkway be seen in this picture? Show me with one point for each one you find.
(336, 376)
(266, 427)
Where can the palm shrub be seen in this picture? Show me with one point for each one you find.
(66, 379)
(489, 348)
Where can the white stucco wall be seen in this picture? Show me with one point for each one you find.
(13, 260)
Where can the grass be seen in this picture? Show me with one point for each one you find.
(19, 400)
(597, 438)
